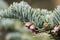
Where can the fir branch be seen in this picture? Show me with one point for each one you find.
(24, 12)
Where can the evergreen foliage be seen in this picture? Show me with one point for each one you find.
(24, 12)
(13, 36)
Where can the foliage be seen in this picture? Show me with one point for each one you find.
(24, 12)
(13, 36)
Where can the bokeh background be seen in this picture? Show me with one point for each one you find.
(48, 4)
